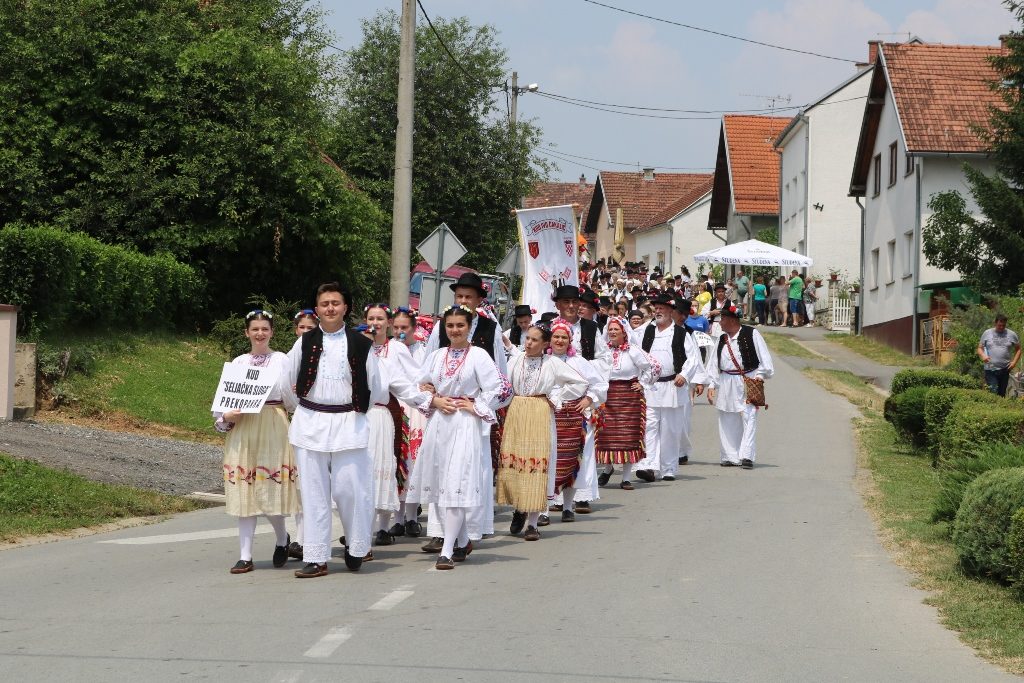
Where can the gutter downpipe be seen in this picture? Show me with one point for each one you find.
(914, 350)
(807, 184)
(863, 282)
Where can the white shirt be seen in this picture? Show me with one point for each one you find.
(730, 395)
(667, 394)
(500, 360)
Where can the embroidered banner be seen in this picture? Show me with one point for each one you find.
(244, 388)
(548, 236)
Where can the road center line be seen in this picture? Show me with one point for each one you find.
(391, 599)
(326, 646)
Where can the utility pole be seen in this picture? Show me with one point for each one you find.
(515, 102)
(401, 214)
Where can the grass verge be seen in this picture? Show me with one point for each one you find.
(880, 353)
(38, 500)
(784, 345)
(899, 487)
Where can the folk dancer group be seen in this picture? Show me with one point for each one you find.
(405, 414)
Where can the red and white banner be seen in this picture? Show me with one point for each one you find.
(548, 239)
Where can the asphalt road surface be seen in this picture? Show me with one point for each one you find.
(773, 574)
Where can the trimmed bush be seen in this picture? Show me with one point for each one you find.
(972, 424)
(958, 474)
(905, 411)
(981, 529)
(904, 379)
(62, 278)
(1015, 548)
(938, 405)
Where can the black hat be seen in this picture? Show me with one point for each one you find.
(470, 280)
(605, 301)
(524, 310)
(719, 286)
(635, 314)
(664, 299)
(605, 274)
(589, 297)
(731, 311)
(566, 292)
(683, 306)
(636, 287)
(546, 317)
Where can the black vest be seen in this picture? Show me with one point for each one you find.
(588, 337)
(602, 320)
(483, 337)
(678, 344)
(515, 335)
(748, 353)
(359, 348)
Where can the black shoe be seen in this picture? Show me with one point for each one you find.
(683, 460)
(627, 486)
(582, 507)
(295, 551)
(532, 534)
(555, 508)
(728, 463)
(434, 545)
(413, 529)
(343, 543)
(602, 479)
(311, 570)
(518, 522)
(668, 477)
(543, 520)
(353, 563)
(460, 554)
(383, 538)
(568, 516)
(242, 567)
(281, 553)
(646, 475)
(397, 530)
(444, 563)
(747, 464)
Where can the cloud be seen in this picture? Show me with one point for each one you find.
(971, 22)
(638, 62)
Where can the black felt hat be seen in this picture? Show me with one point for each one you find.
(566, 292)
(524, 310)
(469, 280)
(683, 306)
(589, 297)
(665, 299)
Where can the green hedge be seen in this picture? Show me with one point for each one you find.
(904, 379)
(939, 404)
(956, 476)
(982, 527)
(61, 278)
(972, 424)
(1015, 548)
(906, 413)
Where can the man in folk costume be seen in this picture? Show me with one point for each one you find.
(604, 309)
(515, 336)
(668, 401)
(337, 379)
(679, 315)
(585, 338)
(484, 333)
(588, 306)
(740, 352)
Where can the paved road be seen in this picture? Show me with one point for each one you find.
(726, 575)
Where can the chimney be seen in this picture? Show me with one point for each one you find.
(873, 50)
(1004, 40)
(648, 174)
(583, 180)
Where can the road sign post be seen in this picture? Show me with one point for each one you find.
(441, 250)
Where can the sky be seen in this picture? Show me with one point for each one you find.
(577, 49)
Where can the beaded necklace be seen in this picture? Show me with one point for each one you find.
(454, 359)
(261, 360)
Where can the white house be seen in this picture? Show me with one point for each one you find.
(919, 126)
(678, 231)
(816, 215)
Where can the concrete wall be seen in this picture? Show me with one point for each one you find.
(8, 340)
(650, 243)
(690, 235)
(24, 381)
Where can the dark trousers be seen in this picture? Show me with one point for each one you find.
(997, 380)
(772, 312)
(760, 310)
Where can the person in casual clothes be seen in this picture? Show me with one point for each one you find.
(760, 300)
(742, 284)
(999, 349)
(810, 298)
(796, 295)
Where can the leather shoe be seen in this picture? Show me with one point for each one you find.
(311, 570)
(518, 522)
(543, 520)
(242, 567)
(668, 477)
(684, 459)
(568, 516)
(460, 554)
(602, 479)
(555, 508)
(383, 538)
(582, 507)
(444, 563)
(434, 545)
(353, 563)
(532, 534)
(728, 463)
(413, 529)
(295, 551)
(627, 486)
(747, 464)
(281, 553)
(397, 529)
(646, 475)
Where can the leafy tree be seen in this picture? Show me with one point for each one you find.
(988, 250)
(469, 170)
(189, 128)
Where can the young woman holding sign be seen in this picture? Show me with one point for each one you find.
(259, 465)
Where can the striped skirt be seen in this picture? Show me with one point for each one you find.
(569, 426)
(525, 453)
(620, 424)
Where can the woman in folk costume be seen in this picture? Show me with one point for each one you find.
(386, 433)
(622, 419)
(467, 390)
(526, 477)
(403, 325)
(576, 479)
(259, 464)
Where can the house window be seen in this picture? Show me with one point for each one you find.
(661, 260)
(878, 176)
(908, 253)
(892, 164)
(909, 165)
(874, 268)
(891, 253)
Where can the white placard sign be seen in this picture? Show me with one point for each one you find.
(551, 258)
(244, 388)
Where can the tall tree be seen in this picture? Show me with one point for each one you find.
(988, 250)
(185, 127)
(469, 170)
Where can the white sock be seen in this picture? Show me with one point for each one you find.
(567, 494)
(246, 532)
(298, 528)
(277, 521)
(383, 517)
(627, 471)
(411, 512)
(454, 521)
(532, 518)
(400, 514)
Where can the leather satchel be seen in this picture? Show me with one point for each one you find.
(753, 388)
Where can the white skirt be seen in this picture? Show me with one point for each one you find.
(450, 461)
(382, 447)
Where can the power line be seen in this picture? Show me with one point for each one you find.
(568, 161)
(628, 113)
(721, 34)
(637, 164)
(451, 55)
(679, 111)
(752, 112)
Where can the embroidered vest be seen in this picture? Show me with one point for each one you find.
(483, 337)
(678, 344)
(359, 348)
(745, 342)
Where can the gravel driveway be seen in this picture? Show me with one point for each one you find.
(165, 465)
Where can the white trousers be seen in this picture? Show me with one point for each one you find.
(347, 477)
(663, 439)
(737, 432)
(810, 311)
(480, 519)
(685, 444)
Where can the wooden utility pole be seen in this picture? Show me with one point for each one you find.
(401, 215)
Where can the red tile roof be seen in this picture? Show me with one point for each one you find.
(753, 161)
(697, 191)
(641, 200)
(942, 93)
(557, 194)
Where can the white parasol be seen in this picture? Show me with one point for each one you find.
(754, 253)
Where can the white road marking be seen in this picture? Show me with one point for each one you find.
(326, 646)
(289, 677)
(391, 599)
(181, 538)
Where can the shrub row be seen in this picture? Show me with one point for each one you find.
(905, 379)
(987, 531)
(61, 278)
